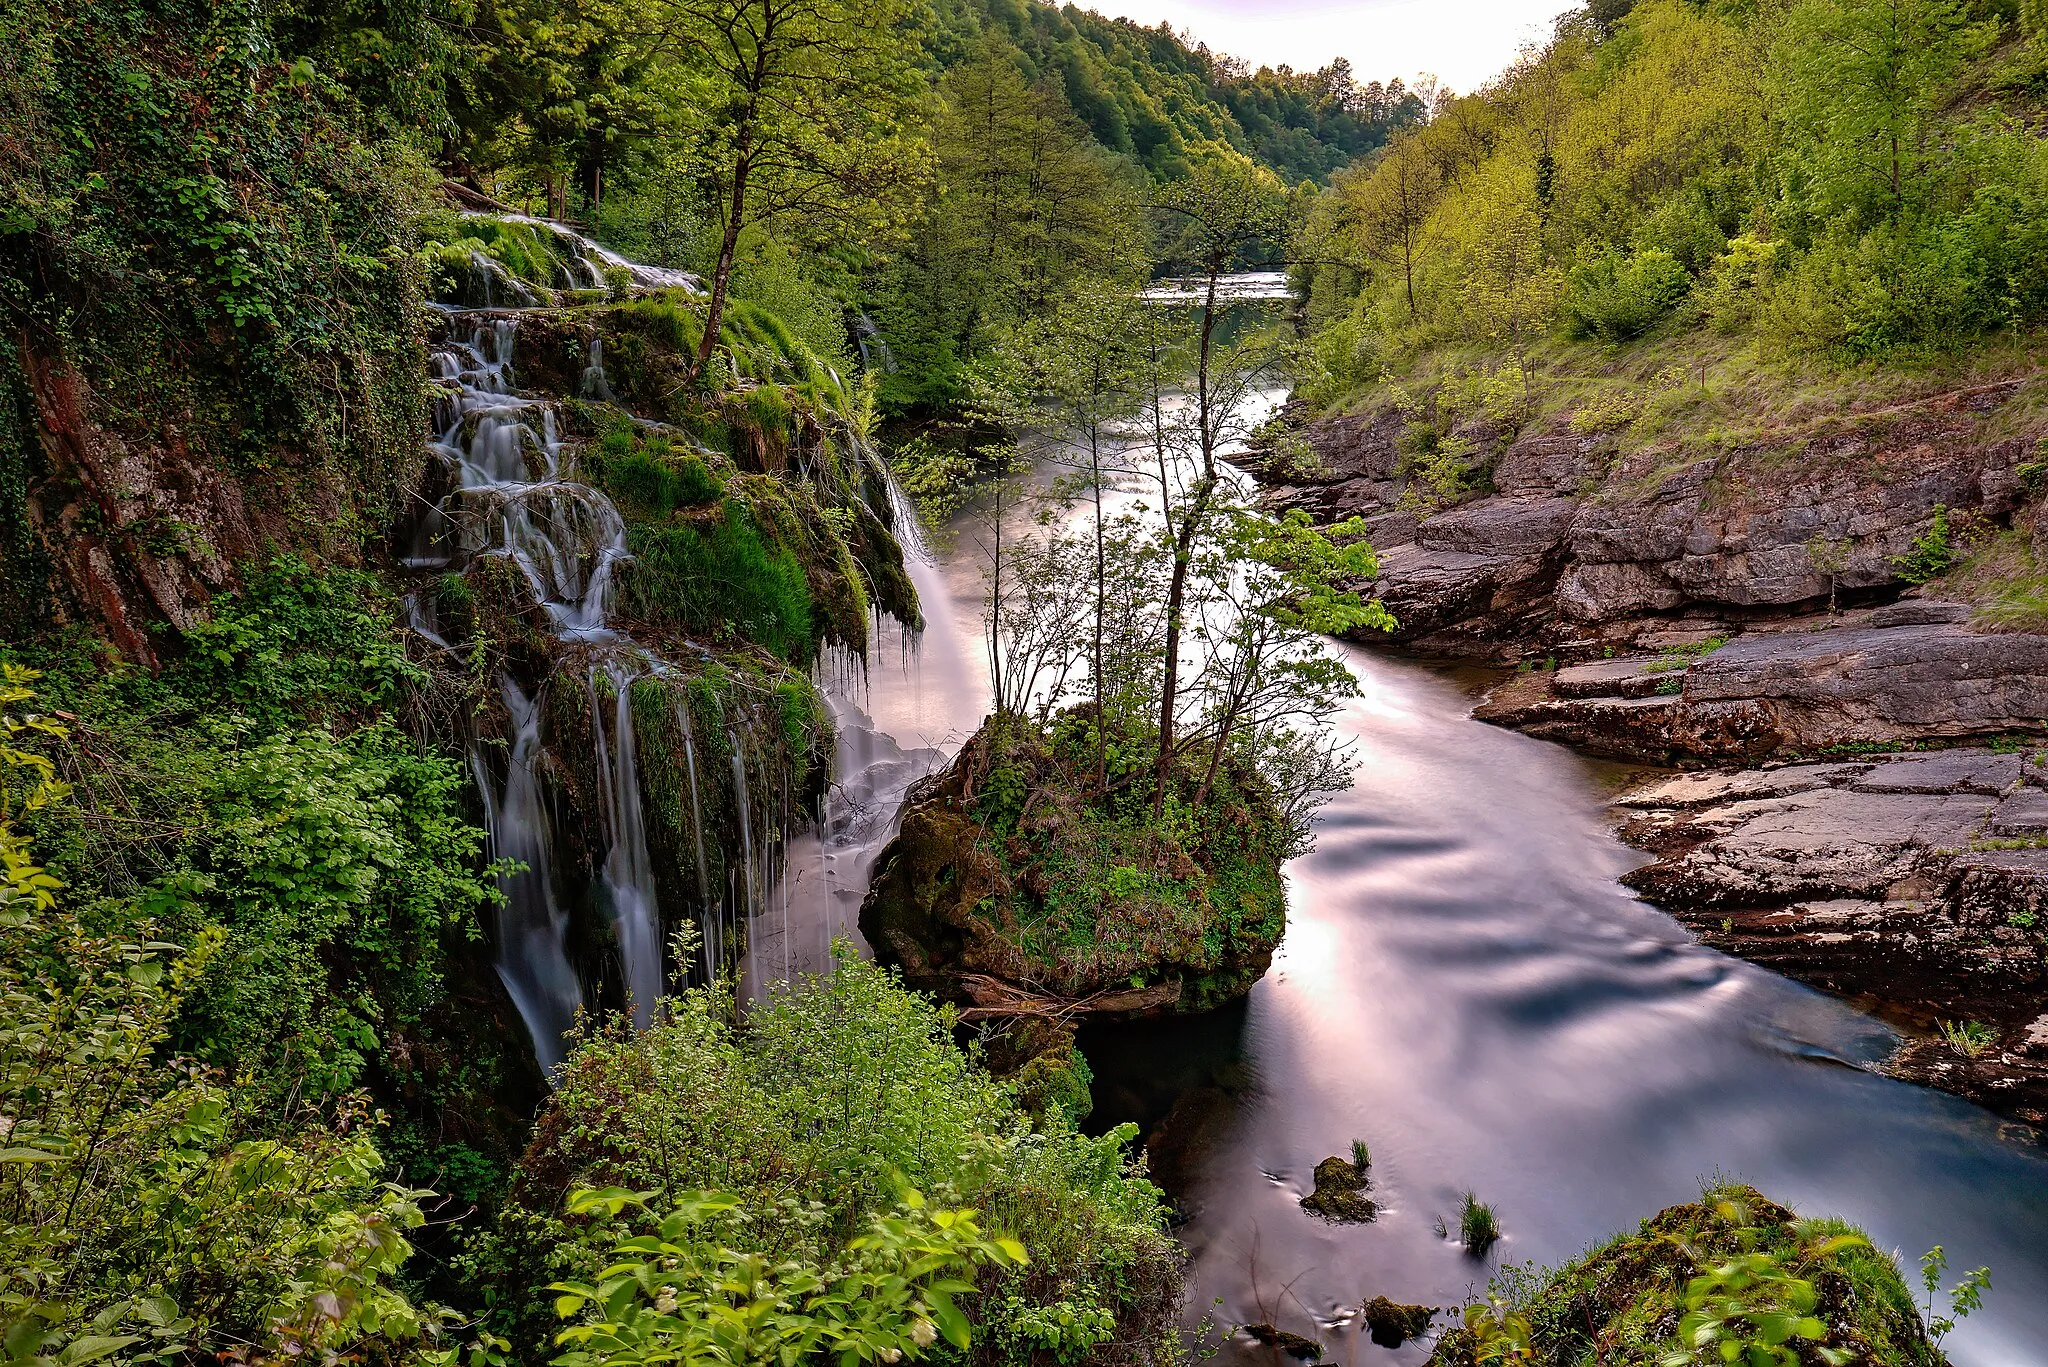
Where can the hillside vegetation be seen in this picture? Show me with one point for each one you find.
(1717, 208)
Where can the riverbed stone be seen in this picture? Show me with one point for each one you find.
(1912, 879)
(1635, 676)
(1713, 787)
(1943, 771)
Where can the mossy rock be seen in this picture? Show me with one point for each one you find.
(1340, 1193)
(1016, 887)
(1297, 1346)
(1391, 1324)
(1620, 1304)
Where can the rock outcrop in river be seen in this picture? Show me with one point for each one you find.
(1017, 892)
(1918, 882)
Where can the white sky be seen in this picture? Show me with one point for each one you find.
(1461, 42)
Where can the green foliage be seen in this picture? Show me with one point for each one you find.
(264, 794)
(649, 477)
(1614, 297)
(813, 1115)
(147, 1212)
(1478, 1226)
(1818, 180)
(1965, 1298)
(196, 222)
(719, 575)
(298, 643)
(1930, 555)
(1143, 92)
(1731, 1278)
(681, 1293)
(1968, 1038)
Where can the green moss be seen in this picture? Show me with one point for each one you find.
(1022, 867)
(1620, 1303)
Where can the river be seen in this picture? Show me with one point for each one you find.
(1465, 986)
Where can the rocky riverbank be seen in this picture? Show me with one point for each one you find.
(1676, 598)
(1916, 884)
(1744, 604)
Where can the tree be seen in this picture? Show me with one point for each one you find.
(1226, 215)
(1026, 204)
(805, 119)
(1862, 83)
(1392, 203)
(1082, 361)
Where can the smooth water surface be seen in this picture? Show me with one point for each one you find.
(1465, 987)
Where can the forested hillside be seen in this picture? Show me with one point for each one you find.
(1826, 181)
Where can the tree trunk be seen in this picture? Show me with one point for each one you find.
(1192, 517)
(728, 246)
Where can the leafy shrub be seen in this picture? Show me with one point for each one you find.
(681, 1292)
(1931, 554)
(270, 798)
(1614, 297)
(836, 1092)
(146, 1210)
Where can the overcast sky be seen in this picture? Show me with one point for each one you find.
(1461, 42)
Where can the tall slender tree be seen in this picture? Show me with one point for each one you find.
(1227, 215)
(808, 113)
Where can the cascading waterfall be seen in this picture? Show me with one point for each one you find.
(531, 926)
(628, 874)
(714, 925)
(595, 386)
(565, 538)
(746, 871)
(514, 501)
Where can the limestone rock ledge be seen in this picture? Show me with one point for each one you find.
(1916, 881)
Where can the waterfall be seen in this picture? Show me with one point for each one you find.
(746, 814)
(628, 875)
(531, 960)
(516, 501)
(712, 922)
(594, 384)
(874, 349)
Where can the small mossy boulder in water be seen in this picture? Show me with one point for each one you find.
(1392, 1324)
(1340, 1193)
(1296, 1346)
(1623, 1302)
(1019, 885)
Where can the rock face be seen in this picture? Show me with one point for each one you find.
(1920, 880)
(1910, 672)
(1579, 552)
(1574, 538)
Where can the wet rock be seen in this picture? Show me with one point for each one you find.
(1770, 692)
(1891, 879)
(1339, 1193)
(1636, 676)
(1294, 1345)
(1391, 1324)
(1944, 771)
